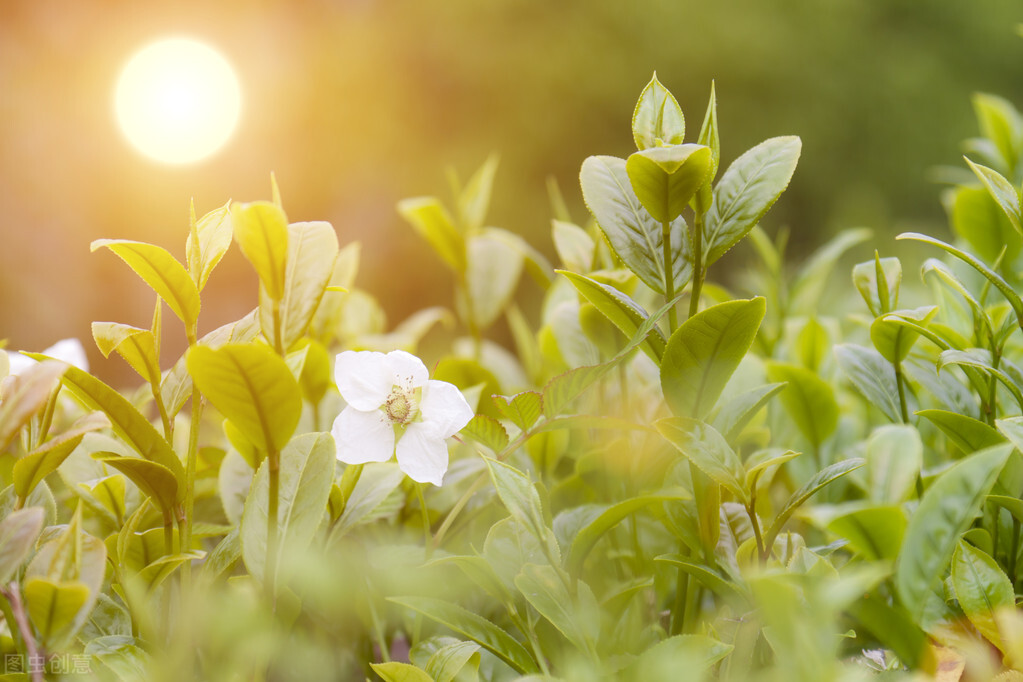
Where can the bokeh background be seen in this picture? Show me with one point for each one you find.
(356, 104)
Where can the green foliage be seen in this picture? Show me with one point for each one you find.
(605, 513)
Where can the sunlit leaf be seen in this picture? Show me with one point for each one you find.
(748, 188)
(261, 230)
(657, 117)
(946, 510)
(705, 351)
(162, 272)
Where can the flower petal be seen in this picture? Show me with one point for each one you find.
(18, 363)
(71, 352)
(422, 455)
(408, 371)
(445, 410)
(364, 378)
(362, 437)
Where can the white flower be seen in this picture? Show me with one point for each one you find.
(393, 406)
(68, 350)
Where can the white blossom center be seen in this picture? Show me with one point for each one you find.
(401, 405)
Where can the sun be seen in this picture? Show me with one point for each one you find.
(178, 100)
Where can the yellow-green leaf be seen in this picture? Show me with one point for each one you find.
(136, 346)
(162, 272)
(261, 230)
(251, 386)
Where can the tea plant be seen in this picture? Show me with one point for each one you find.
(664, 479)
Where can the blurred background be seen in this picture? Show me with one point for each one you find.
(356, 104)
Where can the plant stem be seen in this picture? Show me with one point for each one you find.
(17, 610)
(168, 425)
(190, 464)
(694, 299)
(427, 539)
(669, 274)
(900, 381)
(270, 572)
(1014, 549)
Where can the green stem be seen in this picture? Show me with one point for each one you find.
(168, 425)
(270, 572)
(275, 312)
(694, 300)
(669, 274)
(427, 539)
(900, 381)
(1014, 549)
(678, 612)
(751, 512)
(19, 619)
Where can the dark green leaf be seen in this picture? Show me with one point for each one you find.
(872, 375)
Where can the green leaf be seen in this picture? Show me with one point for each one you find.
(162, 272)
(312, 250)
(394, 671)
(126, 420)
(865, 280)
(474, 200)
(431, 220)
(808, 400)
(634, 235)
(522, 409)
(564, 388)
(251, 386)
(486, 431)
(574, 246)
(136, 346)
(621, 310)
(876, 532)
(377, 481)
(812, 344)
(586, 538)
(758, 463)
(159, 570)
(822, 478)
(708, 577)
(445, 663)
(208, 240)
(703, 353)
(709, 135)
(735, 413)
(261, 230)
(155, 480)
(576, 616)
(519, 496)
(746, 191)
(982, 589)
(306, 474)
(894, 458)
(1007, 291)
(657, 118)
(893, 340)
(708, 450)
(812, 277)
(26, 394)
(478, 629)
(1001, 190)
(494, 267)
(695, 654)
(946, 510)
(967, 433)
(980, 358)
(53, 607)
(35, 466)
(1000, 123)
(977, 218)
(18, 534)
(666, 178)
(891, 625)
(872, 375)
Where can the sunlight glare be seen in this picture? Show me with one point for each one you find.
(178, 100)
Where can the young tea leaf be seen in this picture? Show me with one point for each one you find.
(666, 178)
(261, 230)
(746, 191)
(703, 353)
(657, 118)
(708, 450)
(982, 588)
(946, 510)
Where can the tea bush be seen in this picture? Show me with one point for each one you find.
(664, 480)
